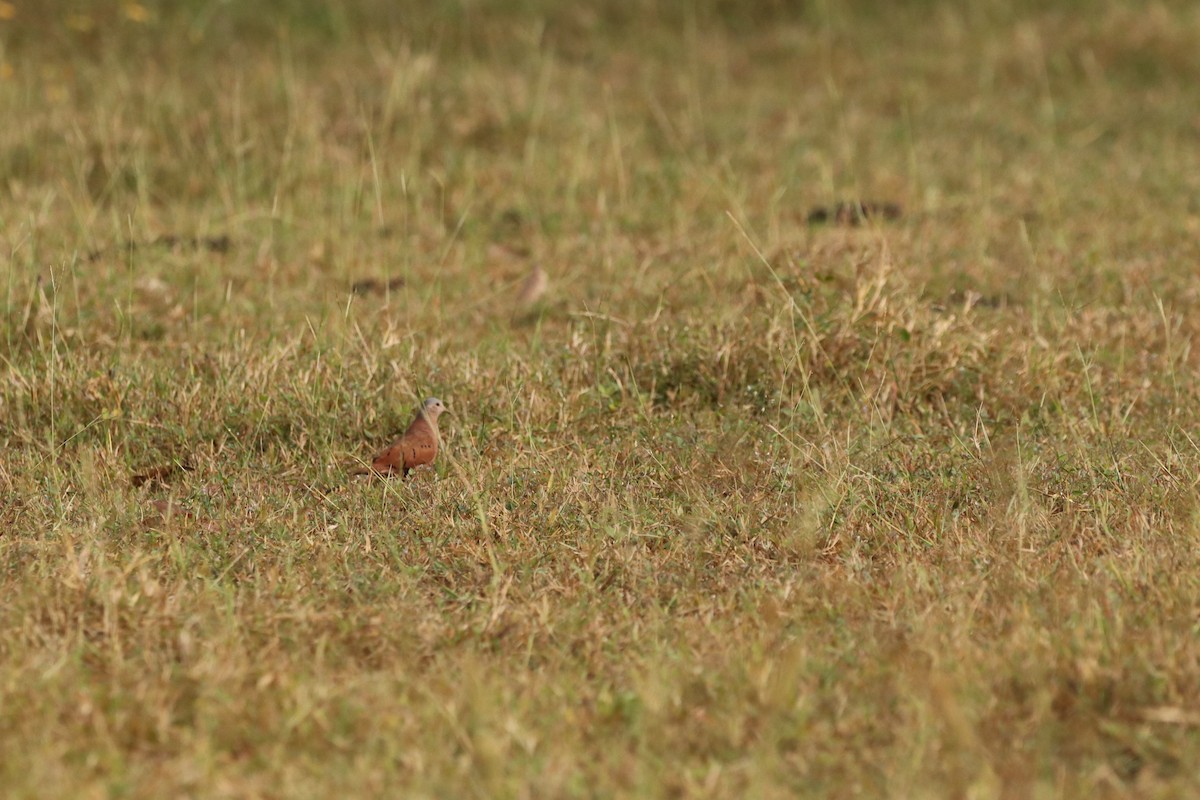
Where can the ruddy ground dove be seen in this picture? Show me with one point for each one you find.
(416, 447)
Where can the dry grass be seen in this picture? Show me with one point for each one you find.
(740, 506)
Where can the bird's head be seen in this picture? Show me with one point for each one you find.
(432, 408)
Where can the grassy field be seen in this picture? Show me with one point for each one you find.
(746, 504)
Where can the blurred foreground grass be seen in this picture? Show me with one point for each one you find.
(743, 506)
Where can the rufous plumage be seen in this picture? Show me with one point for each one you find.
(417, 447)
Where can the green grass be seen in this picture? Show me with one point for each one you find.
(743, 506)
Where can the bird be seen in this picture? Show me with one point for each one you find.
(533, 288)
(416, 447)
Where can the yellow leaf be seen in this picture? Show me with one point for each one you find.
(7, 10)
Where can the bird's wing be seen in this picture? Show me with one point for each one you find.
(420, 447)
(388, 459)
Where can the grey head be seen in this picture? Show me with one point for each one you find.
(432, 408)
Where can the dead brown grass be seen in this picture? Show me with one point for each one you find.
(741, 505)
